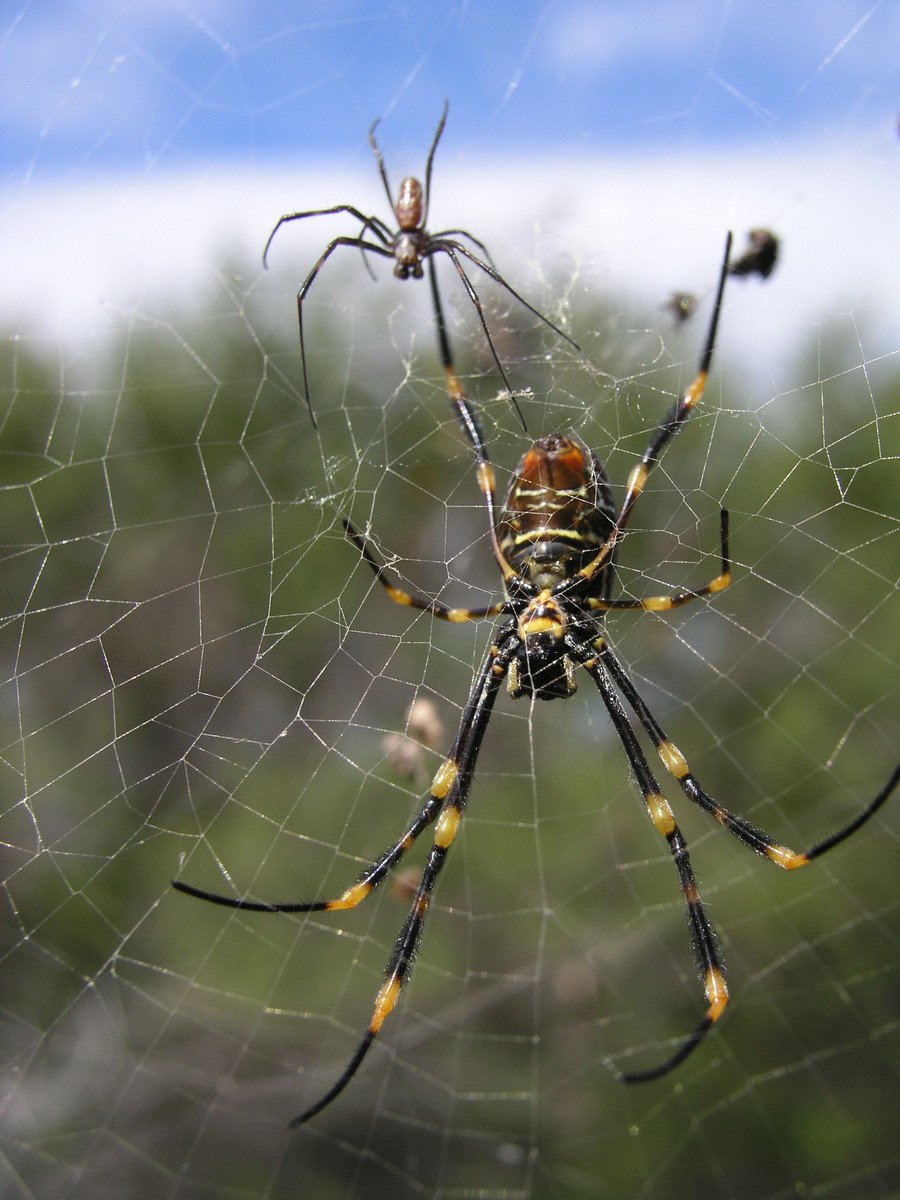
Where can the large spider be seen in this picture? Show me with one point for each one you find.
(555, 543)
(409, 246)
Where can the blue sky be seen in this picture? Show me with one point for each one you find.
(113, 85)
(147, 146)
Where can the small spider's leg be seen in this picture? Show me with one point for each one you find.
(665, 431)
(363, 245)
(381, 231)
(430, 159)
(447, 248)
(676, 764)
(382, 170)
(399, 596)
(441, 234)
(664, 603)
(661, 815)
(494, 274)
(451, 785)
(377, 226)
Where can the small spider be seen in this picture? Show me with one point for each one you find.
(409, 246)
(760, 256)
(555, 543)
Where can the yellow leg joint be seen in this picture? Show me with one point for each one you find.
(444, 779)
(637, 478)
(486, 480)
(351, 897)
(384, 1002)
(783, 857)
(454, 387)
(696, 390)
(720, 583)
(661, 814)
(447, 827)
(673, 760)
(716, 993)
(657, 604)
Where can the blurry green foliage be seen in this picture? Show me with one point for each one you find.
(198, 665)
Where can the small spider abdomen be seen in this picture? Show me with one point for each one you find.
(409, 204)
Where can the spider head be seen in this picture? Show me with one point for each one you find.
(542, 668)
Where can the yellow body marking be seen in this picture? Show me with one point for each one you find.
(541, 625)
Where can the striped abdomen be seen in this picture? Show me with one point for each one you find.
(558, 512)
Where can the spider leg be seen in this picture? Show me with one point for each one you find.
(664, 603)
(357, 892)
(449, 248)
(452, 248)
(399, 596)
(377, 226)
(663, 819)
(676, 764)
(344, 240)
(382, 170)
(450, 792)
(665, 431)
(454, 233)
(464, 410)
(471, 425)
(376, 872)
(430, 159)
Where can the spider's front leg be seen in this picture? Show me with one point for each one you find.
(345, 240)
(665, 431)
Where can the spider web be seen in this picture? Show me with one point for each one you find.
(203, 680)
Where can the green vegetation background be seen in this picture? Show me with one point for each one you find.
(199, 678)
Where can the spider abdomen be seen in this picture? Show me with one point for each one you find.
(558, 511)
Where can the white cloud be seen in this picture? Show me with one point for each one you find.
(80, 260)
